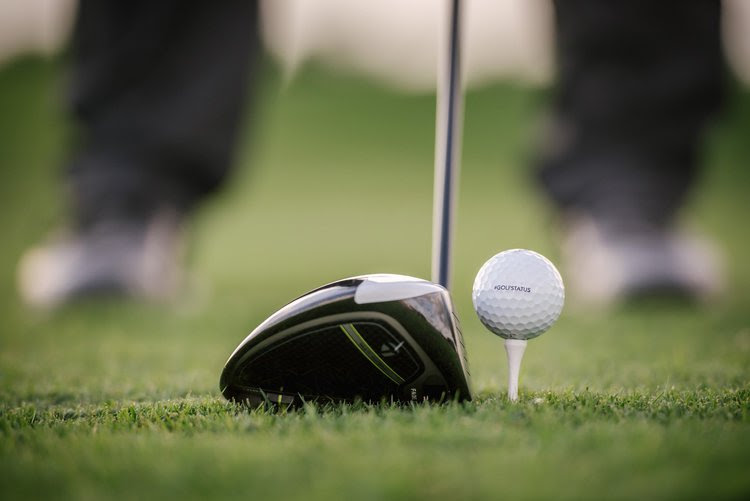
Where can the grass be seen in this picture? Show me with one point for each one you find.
(120, 400)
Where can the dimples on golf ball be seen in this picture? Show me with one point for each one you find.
(518, 294)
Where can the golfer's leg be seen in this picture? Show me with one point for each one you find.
(637, 82)
(158, 88)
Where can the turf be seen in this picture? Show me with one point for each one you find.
(120, 400)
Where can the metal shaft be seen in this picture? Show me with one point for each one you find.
(447, 147)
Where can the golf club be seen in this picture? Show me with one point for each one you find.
(374, 337)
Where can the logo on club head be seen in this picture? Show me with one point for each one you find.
(390, 349)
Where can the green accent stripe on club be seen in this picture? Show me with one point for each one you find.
(356, 338)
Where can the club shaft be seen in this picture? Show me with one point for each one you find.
(447, 148)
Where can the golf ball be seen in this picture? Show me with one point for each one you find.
(518, 294)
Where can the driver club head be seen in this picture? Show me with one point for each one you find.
(373, 338)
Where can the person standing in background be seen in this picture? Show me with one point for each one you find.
(158, 90)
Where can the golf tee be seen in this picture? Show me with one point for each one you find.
(514, 348)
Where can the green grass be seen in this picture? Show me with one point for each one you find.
(113, 400)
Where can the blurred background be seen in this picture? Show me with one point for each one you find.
(388, 41)
(333, 178)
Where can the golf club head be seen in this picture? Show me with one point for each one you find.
(374, 337)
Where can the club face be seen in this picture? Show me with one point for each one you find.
(375, 338)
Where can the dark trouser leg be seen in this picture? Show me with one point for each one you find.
(159, 88)
(637, 82)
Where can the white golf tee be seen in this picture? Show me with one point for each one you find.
(514, 348)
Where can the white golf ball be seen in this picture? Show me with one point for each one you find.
(518, 294)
